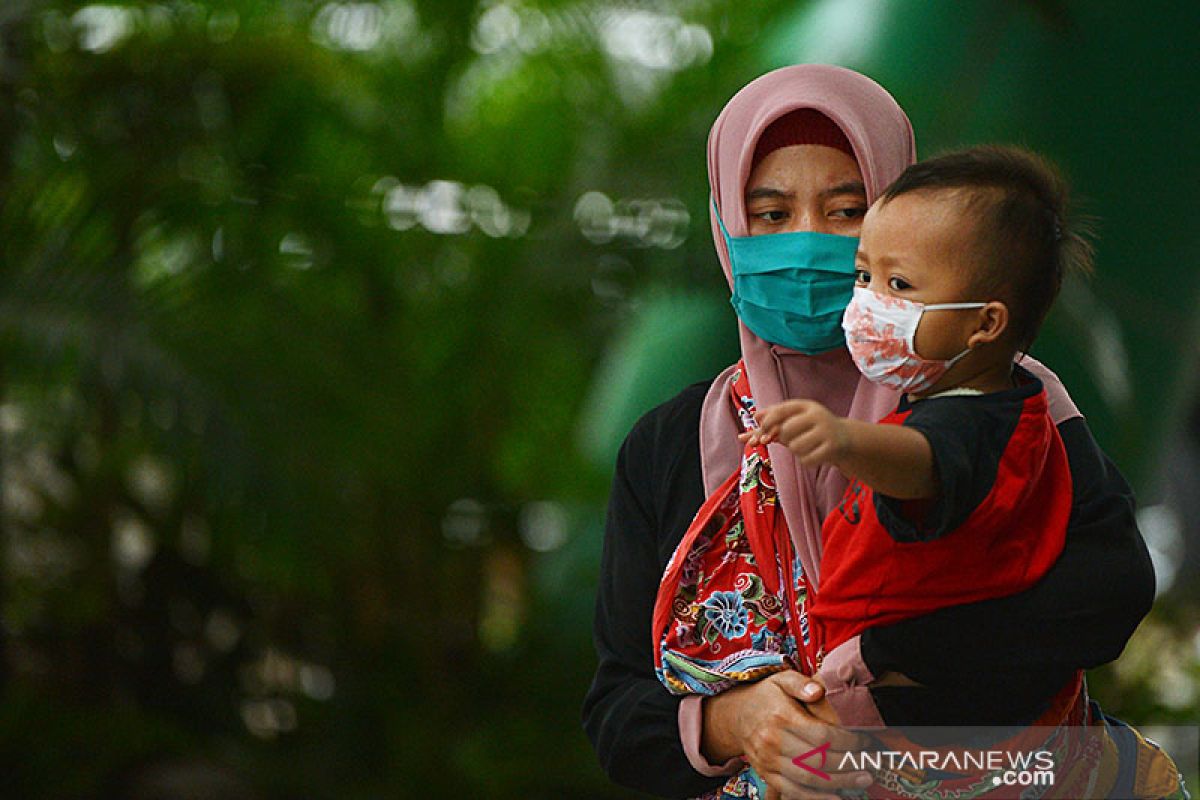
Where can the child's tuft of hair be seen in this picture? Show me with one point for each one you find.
(1028, 236)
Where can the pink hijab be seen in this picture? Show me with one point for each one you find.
(882, 139)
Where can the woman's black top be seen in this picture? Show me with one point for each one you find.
(1000, 658)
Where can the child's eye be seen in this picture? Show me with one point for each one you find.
(898, 284)
(861, 277)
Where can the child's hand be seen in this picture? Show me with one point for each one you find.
(813, 433)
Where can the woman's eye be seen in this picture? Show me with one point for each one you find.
(898, 284)
(849, 213)
(771, 216)
(862, 277)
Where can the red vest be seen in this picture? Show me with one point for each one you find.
(1006, 544)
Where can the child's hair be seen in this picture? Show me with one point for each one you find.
(1026, 240)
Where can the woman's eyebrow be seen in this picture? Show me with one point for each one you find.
(761, 192)
(849, 187)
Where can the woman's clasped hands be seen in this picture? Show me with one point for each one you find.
(784, 727)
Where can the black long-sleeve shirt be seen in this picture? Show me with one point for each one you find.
(1000, 658)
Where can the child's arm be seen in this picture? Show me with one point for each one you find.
(891, 459)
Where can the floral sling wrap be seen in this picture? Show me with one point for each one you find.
(733, 594)
(731, 609)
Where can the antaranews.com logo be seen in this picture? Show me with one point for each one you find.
(1027, 762)
(1006, 767)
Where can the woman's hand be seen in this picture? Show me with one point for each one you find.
(775, 720)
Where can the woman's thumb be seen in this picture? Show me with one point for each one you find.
(802, 687)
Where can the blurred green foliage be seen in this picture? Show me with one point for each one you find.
(300, 305)
(296, 319)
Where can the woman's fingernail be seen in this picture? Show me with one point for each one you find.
(810, 689)
(864, 780)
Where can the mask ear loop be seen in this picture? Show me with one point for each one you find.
(950, 362)
(952, 306)
(720, 221)
(912, 335)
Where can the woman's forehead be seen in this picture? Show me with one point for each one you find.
(804, 168)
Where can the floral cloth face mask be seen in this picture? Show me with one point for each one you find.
(879, 333)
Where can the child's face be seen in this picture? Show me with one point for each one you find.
(918, 247)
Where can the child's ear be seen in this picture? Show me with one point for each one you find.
(993, 322)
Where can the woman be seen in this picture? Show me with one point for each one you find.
(775, 171)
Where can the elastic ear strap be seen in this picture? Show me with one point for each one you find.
(953, 306)
(720, 221)
(951, 362)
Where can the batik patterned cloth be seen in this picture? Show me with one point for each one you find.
(734, 594)
(731, 607)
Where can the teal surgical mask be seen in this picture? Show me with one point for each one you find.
(791, 288)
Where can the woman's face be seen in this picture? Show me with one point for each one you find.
(806, 187)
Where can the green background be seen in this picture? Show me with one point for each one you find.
(320, 325)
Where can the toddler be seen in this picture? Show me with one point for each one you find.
(963, 492)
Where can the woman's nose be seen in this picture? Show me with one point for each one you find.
(809, 219)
